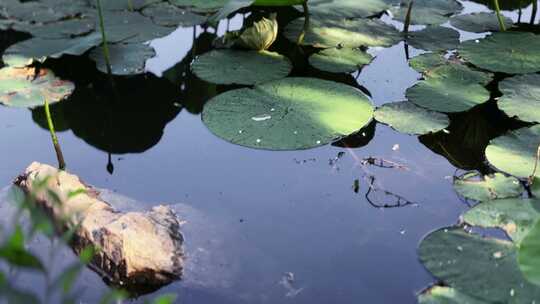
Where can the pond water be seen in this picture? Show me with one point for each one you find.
(256, 218)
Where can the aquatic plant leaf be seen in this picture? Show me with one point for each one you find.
(327, 33)
(349, 9)
(450, 88)
(446, 295)
(15, 254)
(201, 6)
(241, 67)
(433, 38)
(506, 52)
(260, 36)
(479, 22)
(58, 30)
(515, 152)
(288, 114)
(22, 87)
(406, 117)
(166, 14)
(521, 97)
(39, 49)
(529, 255)
(125, 59)
(506, 5)
(459, 259)
(427, 61)
(44, 11)
(340, 60)
(429, 12)
(124, 5)
(515, 216)
(132, 27)
(496, 186)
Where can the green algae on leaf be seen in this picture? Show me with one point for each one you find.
(288, 114)
(340, 60)
(521, 97)
(22, 87)
(496, 186)
(408, 118)
(506, 52)
(241, 67)
(450, 88)
(515, 152)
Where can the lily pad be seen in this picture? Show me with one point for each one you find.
(340, 60)
(59, 30)
(350, 9)
(125, 5)
(408, 118)
(44, 11)
(445, 295)
(479, 22)
(39, 49)
(327, 33)
(515, 152)
(166, 14)
(288, 114)
(125, 59)
(459, 259)
(241, 67)
(132, 27)
(434, 38)
(497, 186)
(450, 88)
(203, 6)
(506, 52)
(515, 216)
(22, 87)
(521, 97)
(429, 12)
(427, 61)
(529, 255)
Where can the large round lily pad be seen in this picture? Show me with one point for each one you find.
(326, 33)
(430, 12)
(515, 152)
(22, 87)
(339, 9)
(497, 186)
(340, 60)
(450, 88)
(434, 38)
(479, 22)
(506, 52)
(241, 67)
(125, 59)
(521, 97)
(408, 118)
(529, 255)
(482, 268)
(132, 27)
(288, 114)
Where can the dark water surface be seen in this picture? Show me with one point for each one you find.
(253, 216)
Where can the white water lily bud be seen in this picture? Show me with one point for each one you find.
(261, 35)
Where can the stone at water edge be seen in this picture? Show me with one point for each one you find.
(135, 248)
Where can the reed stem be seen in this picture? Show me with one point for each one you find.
(306, 22)
(104, 38)
(499, 15)
(407, 23)
(56, 144)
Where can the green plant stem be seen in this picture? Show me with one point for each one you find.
(407, 23)
(534, 11)
(57, 149)
(306, 22)
(499, 15)
(537, 159)
(104, 38)
(130, 5)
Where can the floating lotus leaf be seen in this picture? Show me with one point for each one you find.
(340, 60)
(166, 14)
(521, 97)
(408, 118)
(327, 33)
(479, 22)
(506, 52)
(124, 5)
(529, 255)
(430, 12)
(445, 295)
(288, 114)
(434, 38)
(515, 216)
(497, 186)
(241, 67)
(507, 5)
(22, 87)
(485, 269)
(58, 30)
(350, 9)
(515, 152)
(261, 35)
(427, 61)
(132, 27)
(43, 11)
(450, 88)
(38, 49)
(125, 59)
(202, 6)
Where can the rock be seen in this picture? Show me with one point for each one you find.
(135, 249)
